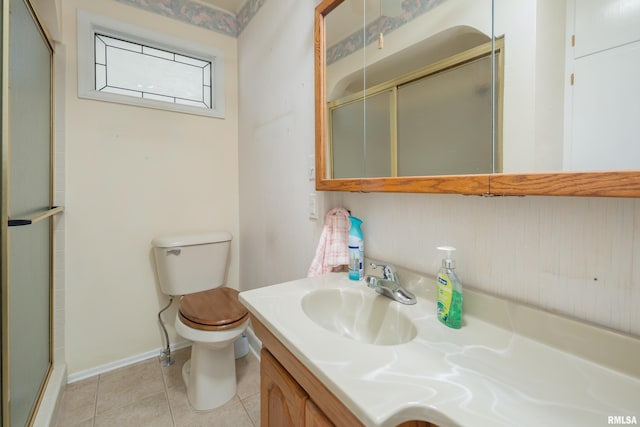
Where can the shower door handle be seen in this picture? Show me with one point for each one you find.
(53, 210)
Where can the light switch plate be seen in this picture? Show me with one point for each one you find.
(313, 206)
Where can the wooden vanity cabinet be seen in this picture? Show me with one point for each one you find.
(314, 417)
(291, 396)
(282, 400)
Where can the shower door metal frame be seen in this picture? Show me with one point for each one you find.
(5, 414)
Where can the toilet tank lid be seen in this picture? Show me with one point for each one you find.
(191, 239)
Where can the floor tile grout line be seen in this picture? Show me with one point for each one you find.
(166, 393)
(95, 402)
(98, 393)
(247, 412)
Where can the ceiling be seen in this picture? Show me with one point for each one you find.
(232, 6)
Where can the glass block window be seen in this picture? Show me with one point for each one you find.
(119, 62)
(141, 71)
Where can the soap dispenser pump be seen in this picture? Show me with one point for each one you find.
(449, 291)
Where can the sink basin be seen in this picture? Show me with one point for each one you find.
(360, 315)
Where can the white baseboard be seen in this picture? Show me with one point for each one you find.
(78, 376)
(254, 342)
(254, 346)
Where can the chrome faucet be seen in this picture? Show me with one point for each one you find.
(389, 286)
(388, 271)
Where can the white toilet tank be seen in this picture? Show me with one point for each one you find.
(189, 263)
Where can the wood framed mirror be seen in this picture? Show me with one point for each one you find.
(575, 182)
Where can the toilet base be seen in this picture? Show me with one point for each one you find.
(210, 376)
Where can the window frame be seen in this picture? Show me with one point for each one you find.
(89, 24)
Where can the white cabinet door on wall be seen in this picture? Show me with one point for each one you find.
(605, 24)
(603, 109)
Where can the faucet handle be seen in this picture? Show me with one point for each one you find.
(388, 270)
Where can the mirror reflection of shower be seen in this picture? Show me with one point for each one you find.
(377, 8)
(391, 8)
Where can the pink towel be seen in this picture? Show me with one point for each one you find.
(333, 247)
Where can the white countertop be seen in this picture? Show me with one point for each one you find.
(491, 372)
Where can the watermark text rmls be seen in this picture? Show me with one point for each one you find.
(622, 419)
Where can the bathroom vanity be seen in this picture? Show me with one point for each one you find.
(291, 395)
(336, 353)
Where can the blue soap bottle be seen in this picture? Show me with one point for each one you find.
(356, 249)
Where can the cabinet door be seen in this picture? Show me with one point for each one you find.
(314, 417)
(605, 24)
(282, 400)
(602, 108)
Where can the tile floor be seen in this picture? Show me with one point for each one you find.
(149, 394)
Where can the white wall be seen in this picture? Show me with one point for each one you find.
(276, 139)
(131, 174)
(534, 78)
(569, 255)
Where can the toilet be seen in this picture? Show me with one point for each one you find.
(194, 267)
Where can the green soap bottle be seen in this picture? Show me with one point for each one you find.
(449, 292)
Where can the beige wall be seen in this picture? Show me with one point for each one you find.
(577, 256)
(131, 174)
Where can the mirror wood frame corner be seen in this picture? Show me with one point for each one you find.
(593, 184)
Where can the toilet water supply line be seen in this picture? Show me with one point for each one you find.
(166, 353)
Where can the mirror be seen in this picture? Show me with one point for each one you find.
(419, 87)
(538, 144)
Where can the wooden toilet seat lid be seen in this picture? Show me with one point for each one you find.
(212, 310)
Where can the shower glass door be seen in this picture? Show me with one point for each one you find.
(26, 228)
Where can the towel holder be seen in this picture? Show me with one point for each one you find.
(53, 210)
